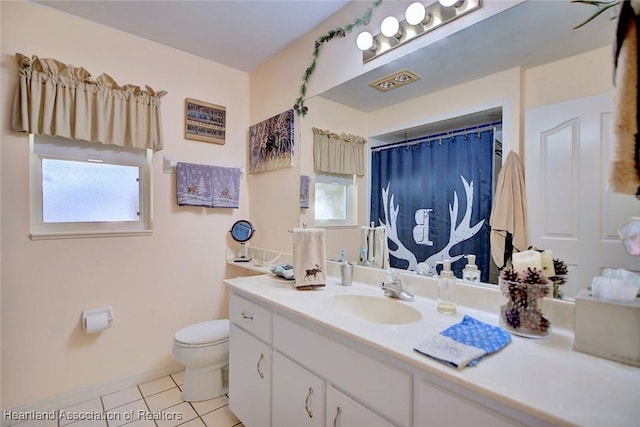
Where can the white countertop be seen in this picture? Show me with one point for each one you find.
(542, 377)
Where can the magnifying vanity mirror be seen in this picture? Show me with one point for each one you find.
(241, 232)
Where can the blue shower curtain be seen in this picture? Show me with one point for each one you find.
(419, 184)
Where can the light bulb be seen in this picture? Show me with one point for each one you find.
(449, 3)
(390, 26)
(364, 41)
(415, 13)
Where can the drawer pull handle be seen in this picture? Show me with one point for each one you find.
(247, 316)
(335, 419)
(306, 403)
(258, 365)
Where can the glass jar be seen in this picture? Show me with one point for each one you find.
(522, 312)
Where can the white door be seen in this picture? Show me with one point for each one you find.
(570, 210)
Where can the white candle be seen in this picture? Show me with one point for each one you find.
(526, 259)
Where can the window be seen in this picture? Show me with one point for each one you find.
(335, 200)
(82, 189)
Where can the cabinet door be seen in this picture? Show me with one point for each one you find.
(249, 378)
(298, 395)
(342, 411)
(437, 407)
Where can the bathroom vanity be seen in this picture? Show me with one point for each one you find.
(321, 358)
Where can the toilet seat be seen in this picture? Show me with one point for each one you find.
(203, 334)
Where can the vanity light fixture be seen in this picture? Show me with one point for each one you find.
(416, 14)
(390, 27)
(419, 20)
(395, 80)
(365, 41)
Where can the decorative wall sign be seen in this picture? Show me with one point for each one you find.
(271, 143)
(204, 122)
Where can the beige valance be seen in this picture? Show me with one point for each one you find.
(340, 154)
(62, 100)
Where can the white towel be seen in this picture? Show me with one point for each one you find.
(366, 242)
(509, 213)
(309, 258)
(381, 248)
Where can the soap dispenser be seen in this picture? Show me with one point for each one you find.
(446, 289)
(471, 274)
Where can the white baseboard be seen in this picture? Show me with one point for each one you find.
(88, 393)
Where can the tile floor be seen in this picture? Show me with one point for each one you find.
(156, 403)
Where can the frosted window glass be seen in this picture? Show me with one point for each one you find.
(89, 192)
(331, 201)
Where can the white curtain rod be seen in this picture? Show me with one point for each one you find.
(438, 136)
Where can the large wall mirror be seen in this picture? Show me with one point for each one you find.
(528, 35)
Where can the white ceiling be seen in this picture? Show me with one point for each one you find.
(243, 34)
(240, 33)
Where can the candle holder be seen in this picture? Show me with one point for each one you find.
(522, 312)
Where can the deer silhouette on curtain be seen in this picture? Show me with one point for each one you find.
(414, 193)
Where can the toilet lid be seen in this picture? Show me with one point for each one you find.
(203, 333)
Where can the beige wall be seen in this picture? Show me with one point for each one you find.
(155, 284)
(579, 76)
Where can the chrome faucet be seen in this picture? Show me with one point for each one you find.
(393, 288)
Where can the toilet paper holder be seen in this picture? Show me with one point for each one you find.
(96, 319)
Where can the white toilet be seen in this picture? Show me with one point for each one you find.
(204, 350)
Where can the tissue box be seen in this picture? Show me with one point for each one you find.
(608, 329)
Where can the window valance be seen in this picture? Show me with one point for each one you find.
(341, 154)
(62, 100)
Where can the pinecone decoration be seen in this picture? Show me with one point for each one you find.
(560, 267)
(512, 316)
(518, 295)
(534, 276)
(510, 275)
(538, 283)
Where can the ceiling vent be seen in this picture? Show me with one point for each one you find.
(395, 80)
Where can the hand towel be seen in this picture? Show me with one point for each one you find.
(509, 213)
(207, 186)
(465, 343)
(309, 258)
(366, 242)
(380, 247)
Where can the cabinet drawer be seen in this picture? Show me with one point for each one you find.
(376, 384)
(250, 316)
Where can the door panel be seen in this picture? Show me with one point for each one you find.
(570, 209)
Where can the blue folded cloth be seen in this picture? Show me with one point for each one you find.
(465, 343)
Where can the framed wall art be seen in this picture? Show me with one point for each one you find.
(204, 122)
(271, 143)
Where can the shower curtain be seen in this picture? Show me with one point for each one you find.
(435, 195)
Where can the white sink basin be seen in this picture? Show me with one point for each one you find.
(378, 309)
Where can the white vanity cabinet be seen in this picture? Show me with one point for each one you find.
(280, 375)
(298, 395)
(343, 411)
(436, 406)
(250, 362)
